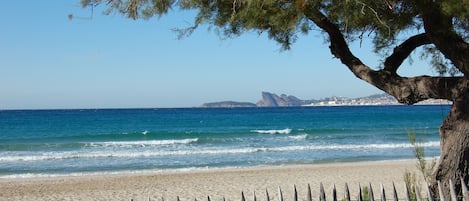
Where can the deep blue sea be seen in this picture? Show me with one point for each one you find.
(43, 143)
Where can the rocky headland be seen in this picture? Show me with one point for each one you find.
(273, 100)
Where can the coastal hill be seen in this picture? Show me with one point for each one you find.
(273, 100)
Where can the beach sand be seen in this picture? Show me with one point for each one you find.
(228, 183)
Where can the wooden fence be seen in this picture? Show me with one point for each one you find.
(367, 194)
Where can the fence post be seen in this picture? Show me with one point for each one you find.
(465, 192)
(440, 191)
(370, 193)
(295, 194)
(334, 194)
(254, 196)
(322, 194)
(280, 195)
(417, 192)
(347, 193)
(242, 196)
(452, 191)
(360, 198)
(406, 191)
(429, 193)
(309, 196)
(383, 194)
(395, 197)
(267, 198)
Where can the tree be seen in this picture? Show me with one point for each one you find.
(440, 33)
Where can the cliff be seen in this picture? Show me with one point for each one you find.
(273, 100)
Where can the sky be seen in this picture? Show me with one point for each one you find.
(50, 62)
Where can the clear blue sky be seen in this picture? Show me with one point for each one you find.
(47, 61)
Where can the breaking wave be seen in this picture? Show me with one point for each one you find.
(187, 151)
(142, 143)
(283, 131)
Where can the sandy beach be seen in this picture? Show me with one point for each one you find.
(218, 184)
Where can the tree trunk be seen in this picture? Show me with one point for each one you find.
(454, 158)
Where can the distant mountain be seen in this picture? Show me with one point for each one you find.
(274, 100)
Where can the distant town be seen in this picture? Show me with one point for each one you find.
(273, 100)
(380, 99)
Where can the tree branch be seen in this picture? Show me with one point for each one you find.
(440, 30)
(338, 46)
(401, 52)
(405, 90)
(413, 90)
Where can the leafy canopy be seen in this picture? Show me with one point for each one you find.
(384, 21)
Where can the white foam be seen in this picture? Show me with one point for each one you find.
(123, 172)
(283, 131)
(136, 153)
(142, 143)
(351, 146)
(299, 137)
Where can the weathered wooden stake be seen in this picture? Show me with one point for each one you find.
(347, 192)
(254, 196)
(267, 198)
(242, 196)
(334, 193)
(309, 196)
(394, 196)
(440, 191)
(280, 194)
(383, 194)
(295, 194)
(429, 193)
(454, 196)
(417, 193)
(322, 194)
(370, 192)
(465, 192)
(407, 193)
(360, 197)
(208, 198)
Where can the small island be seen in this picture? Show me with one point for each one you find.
(227, 104)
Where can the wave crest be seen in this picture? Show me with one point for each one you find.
(128, 153)
(141, 143)
(283, 131)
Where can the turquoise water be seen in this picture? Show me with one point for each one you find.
(36, 143)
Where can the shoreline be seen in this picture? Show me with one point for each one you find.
(182, 170)
(216, 183)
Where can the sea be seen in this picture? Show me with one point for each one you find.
(50, 143)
